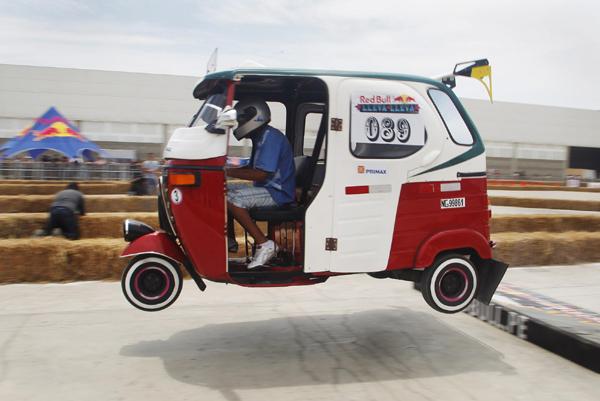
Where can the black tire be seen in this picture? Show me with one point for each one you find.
(450, 283)
(151, 283)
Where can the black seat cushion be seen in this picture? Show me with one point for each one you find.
(278, 215)
(286, 212)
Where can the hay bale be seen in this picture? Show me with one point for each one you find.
(56, 260)
(539, 203)
(540, 188)
(545, 249)
(26, 204)
(100, 225)
(21, 225)
(544, 223)
(109, 225)
(51, 188)
(51, 259)
(93, 203)
(61, 182)
(522, 183)
(121, 204)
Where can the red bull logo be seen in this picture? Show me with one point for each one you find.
(25, 131)
(56, 119)
(405, 99)
(58, 129)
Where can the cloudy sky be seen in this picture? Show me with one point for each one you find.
(542, 51)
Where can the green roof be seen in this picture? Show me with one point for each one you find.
(229, 74)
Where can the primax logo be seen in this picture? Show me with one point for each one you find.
(363, 170)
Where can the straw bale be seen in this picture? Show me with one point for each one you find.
(21, 225)
(61, 182)
(523, 183)
(94, 204)
(50, 188)
(26, 204)
(544, 223)
(100, 225)
(122, 204)
(539, 203)
(54, 259)
(109, 225)
(541, 188)
(545, 249)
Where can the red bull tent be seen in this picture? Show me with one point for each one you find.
(12, 142)
(51, 132)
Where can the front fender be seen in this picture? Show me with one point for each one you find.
(451, 239)
(158, 243)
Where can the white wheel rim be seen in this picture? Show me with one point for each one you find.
(432, 286)
(162, 262)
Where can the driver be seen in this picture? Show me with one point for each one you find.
(272, 170)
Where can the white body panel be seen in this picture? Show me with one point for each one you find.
(195, 143)
(363, 224)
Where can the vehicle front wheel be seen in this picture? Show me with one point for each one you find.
(450, 283)
(151, 283)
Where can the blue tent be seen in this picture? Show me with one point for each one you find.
(12, 142)
(51, 132)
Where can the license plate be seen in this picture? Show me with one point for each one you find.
(453, 203)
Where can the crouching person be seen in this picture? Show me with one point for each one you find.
(62, 213)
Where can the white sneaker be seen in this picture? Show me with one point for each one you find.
(263, 254)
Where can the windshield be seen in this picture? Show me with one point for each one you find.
(210, 109)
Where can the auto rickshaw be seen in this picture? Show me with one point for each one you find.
(393, 184)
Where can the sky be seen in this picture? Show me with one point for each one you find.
(544, 52)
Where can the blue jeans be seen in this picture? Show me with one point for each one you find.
(151, 186)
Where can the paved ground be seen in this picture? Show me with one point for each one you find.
(577, 285)
(352, 338)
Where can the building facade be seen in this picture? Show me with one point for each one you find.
(135, 113)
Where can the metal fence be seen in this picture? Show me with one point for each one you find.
(21, 170)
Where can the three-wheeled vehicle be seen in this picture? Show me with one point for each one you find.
(393, 184)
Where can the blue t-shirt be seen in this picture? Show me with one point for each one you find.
(273, 154)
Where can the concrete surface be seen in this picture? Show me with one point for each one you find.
(351, 338)
(578, 285)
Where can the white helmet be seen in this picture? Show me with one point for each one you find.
(252, 113)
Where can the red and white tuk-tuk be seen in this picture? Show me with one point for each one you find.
(392, 184)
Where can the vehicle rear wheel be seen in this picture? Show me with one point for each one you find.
(450, 283)
(151, 283)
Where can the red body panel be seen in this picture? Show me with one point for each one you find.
(420, 217)
(200, 218)
(452, 239)
(156, 242)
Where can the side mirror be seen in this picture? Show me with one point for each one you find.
(227, 119)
